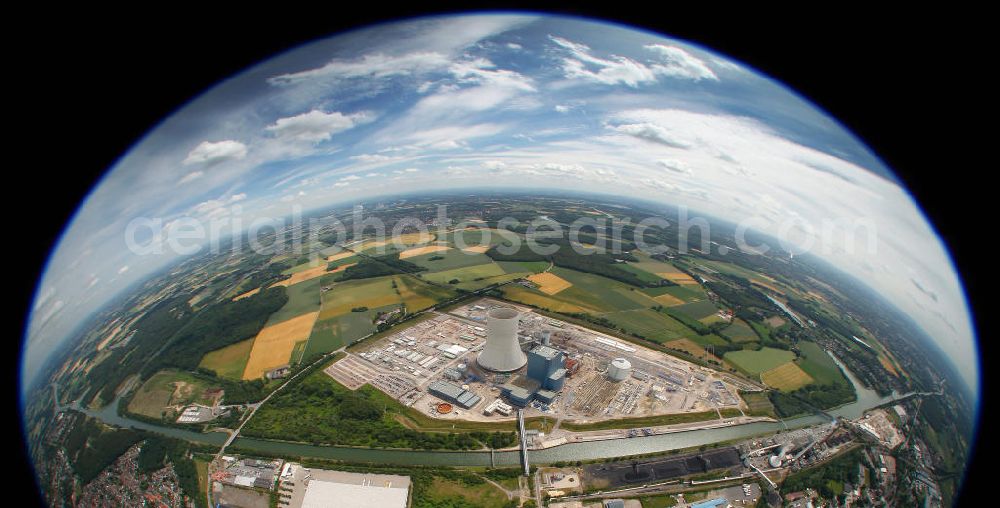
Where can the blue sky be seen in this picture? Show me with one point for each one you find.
(512, 101)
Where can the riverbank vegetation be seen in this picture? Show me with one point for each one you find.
(321, 411)
(650, 421)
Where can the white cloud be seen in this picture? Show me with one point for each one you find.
(494, 165)
(675, 166)
(210, 153)
(122, 270)
(349, 178)
(615, 70)
(341, 184)
(373, 66)
(376, 157)
(562, 108)
(678, 63)
(315, 126)
(673, 62)
(190, 177)
(514, 46)
(213, 208)
(654, 132)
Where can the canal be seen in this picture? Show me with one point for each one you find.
(866, 399)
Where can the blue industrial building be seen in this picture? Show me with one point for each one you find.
(546, 396)
(555, 381)
(453, 393)
(545, 365)
(517, 395)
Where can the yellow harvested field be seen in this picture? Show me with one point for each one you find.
(418, 251)
(550, 283)
(413, 238)
(522, 294)
(887, 365)
(404, 239)
(311, 273)
(692, 348)
(339, 256)
(273, 346)
(332, 311)
(248, 293)
(786, 377)
(112, 334)
(774, 321)
(765, 285)
(678, 277)
(476, 249)
(669, 300)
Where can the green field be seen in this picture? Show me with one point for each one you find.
(298, 351)
(344, 296)
(467, 274)
(697, 310)
(756, 362)
(446, 492)
(338, 325)
(758, 404)
(708, 340)
(304, 266)
(167, 388)
(689, 293)
(302, 298)
(474, 237)
(733, 269)
(229, 361)
(450, 259)
(655, 326)
(419, 295)
(330, 251)
(600, 293)
(344, 261)
(650, 265)
(536, 298)
(338, 331)
(523, 266)
(643, 275)
(664, 501)
(739, 332)
(762, 330)
(819, 365)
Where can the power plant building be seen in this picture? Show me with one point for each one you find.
(555, 381)
(518, 396)
(546, 396)
(545, 365)
(453, 393)
(502, 353)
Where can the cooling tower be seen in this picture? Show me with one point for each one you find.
(501, 352)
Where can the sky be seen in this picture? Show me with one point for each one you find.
(533, 102)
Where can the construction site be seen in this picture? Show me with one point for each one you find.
(485, 360)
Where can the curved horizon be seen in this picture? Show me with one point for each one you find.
(502, 101)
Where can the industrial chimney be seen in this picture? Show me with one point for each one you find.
(502, 353)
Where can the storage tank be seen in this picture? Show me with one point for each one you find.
(619, 369)
(502, 352)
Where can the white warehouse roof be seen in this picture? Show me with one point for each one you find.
(322, 494)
